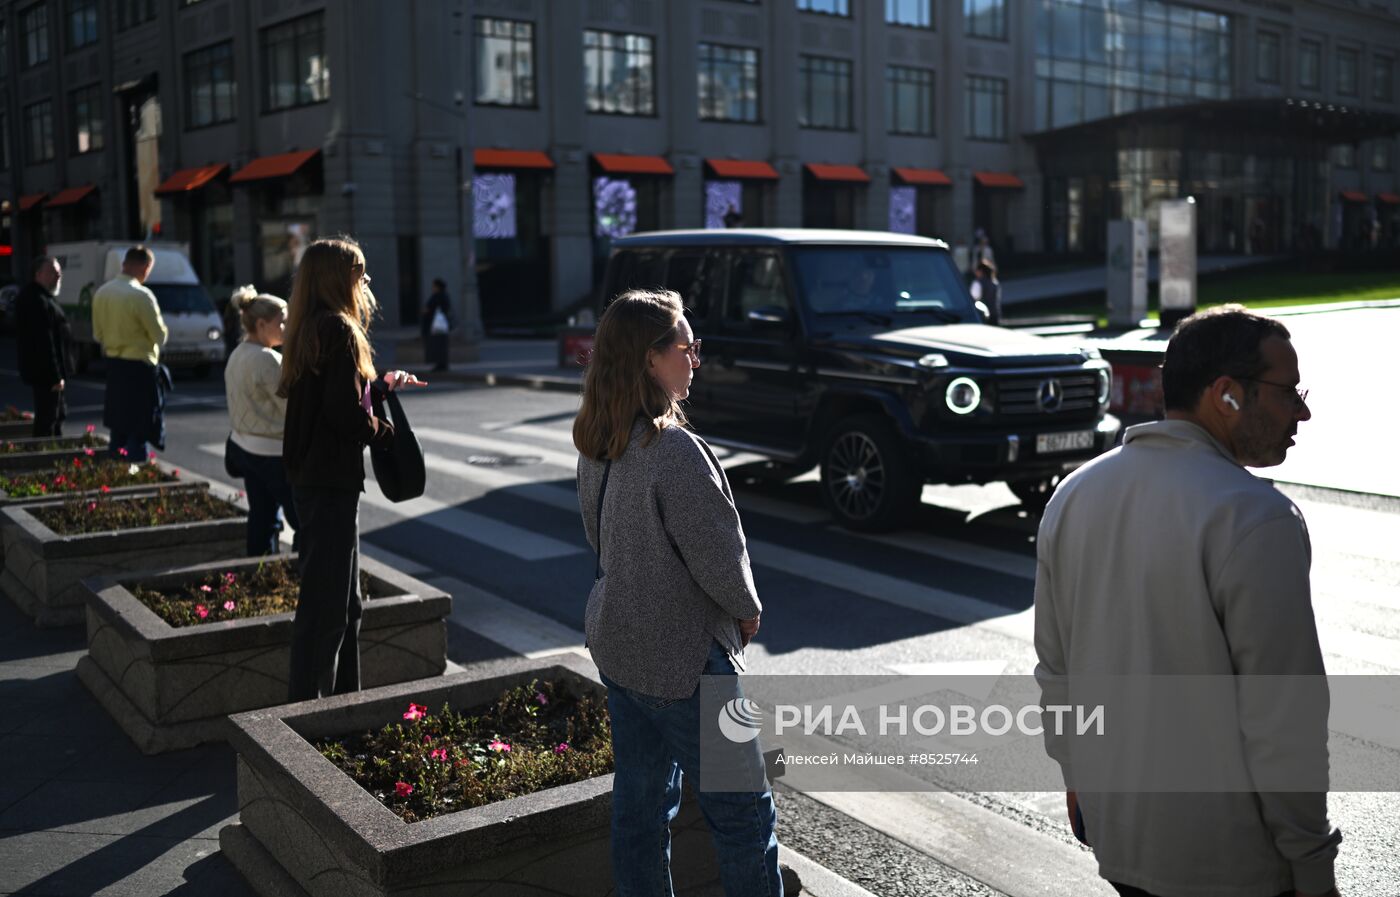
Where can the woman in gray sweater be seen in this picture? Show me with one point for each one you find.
(673, 601)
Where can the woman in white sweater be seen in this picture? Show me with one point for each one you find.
(257, 416)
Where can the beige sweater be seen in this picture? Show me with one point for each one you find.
(254, 410)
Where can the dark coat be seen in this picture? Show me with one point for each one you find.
(41, 330)
(435, 301)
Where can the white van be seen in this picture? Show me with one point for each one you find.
(196, 333)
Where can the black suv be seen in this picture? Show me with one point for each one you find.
(862, 352)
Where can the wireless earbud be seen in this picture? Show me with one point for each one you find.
(1230, 400)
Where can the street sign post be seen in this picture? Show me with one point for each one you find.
(1127, 272)
(1176, 249)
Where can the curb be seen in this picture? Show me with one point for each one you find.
(546, 382)
(817, 880)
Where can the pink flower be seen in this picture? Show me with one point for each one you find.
(121, 452)
(541, 699)
(88, 452)
(201, 610)
(175, 473)
(205, 589)
(439, 754)
(427, 739)
(561, 747)
(230, 578)
(403, 789)
(228, 605)
(77, 462)
(92, 506)
(58, 480)
(91, 428)
(415, 711)
(498, 746)
(106, 489)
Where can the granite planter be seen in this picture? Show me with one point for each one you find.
(307, 829)
(44, 571)
(16, 429)
(33, 460)
(186, 481)
(173, 687)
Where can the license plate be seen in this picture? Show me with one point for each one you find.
(1054, 443)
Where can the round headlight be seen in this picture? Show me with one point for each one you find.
(963, 395)
(1105, 386)
(215, 333)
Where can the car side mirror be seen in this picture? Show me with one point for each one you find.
(983, 311)
(770, 316)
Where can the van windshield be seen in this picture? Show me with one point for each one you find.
(882, 282)
(181, 298)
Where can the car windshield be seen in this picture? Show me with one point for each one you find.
(181, 298)
(879, 282)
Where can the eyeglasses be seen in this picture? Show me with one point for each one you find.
(692, 349)
(1300, 395)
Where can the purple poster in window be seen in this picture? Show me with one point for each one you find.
(614, 207)
(902, 210)
(494, 202)
(723, 200)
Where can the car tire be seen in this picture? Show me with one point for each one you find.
(1034, 495)
(868, 480)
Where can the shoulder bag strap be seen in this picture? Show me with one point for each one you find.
(598, 530)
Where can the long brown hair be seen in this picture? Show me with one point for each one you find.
(617, 388)
(329, 281)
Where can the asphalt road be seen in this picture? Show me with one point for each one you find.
(499, 528)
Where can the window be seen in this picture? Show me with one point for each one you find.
(296, 70)
(909, 109)
(34, 35)
(505, 62)
(986, 108)
(211, 93)
(1267, 61)
(86, 120)
(1310, 64)
(914, 13)
(82, 23)
(728, 83)
(985, 18)
(755, 283)
(826, 7)
(131, 13)
(1347, 66)
(1380, 156)
(38, 132)
(1383, 79)
(825, 88)
(619, 73)
(1345, 155)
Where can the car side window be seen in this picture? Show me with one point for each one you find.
(686, 276)
(641, 269)
(755, 282)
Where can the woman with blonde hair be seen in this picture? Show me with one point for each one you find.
(673, 601)
(257, 415)
(332, 415)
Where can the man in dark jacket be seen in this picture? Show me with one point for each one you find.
(41, 329)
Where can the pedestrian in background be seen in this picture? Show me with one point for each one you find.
(126, 320)
(985, 288)
(333, 413)
(981, 250)
(257, 416)
(1165, 557)
(437, 324)
(674, 598)
(42, 335)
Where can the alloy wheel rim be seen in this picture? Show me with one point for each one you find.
(856, 475)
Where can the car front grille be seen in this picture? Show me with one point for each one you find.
(1022, 395)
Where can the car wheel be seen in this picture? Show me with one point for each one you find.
(1034, 495)
(868, 481)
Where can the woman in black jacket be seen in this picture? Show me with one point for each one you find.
(333, 413)
(435, 333)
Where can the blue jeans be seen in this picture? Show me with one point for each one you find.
(269, 497)
(655, 743)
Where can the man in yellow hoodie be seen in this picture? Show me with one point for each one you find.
(126, 320)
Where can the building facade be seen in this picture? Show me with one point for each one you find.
(501, 144)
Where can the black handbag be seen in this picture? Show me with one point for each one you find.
(398, 464)
(231, 465)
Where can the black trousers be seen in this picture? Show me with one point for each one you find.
(326, 629)
(49, 411)
(1128, 891)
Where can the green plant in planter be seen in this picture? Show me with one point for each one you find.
(534, 737)
(102, 513)
(87, 440)
(271, 588)
(90, 474)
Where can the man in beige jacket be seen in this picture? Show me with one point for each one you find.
(1165, 557)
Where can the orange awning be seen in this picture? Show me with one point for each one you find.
(1352, 196)
(279, 166)
(850, 173)
(929, 177)
(28, 202)
(614, 163)
(998, 179)
(506, 158)
(71, 196)
(1390, 199)
(188, 179)
(738, 168)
